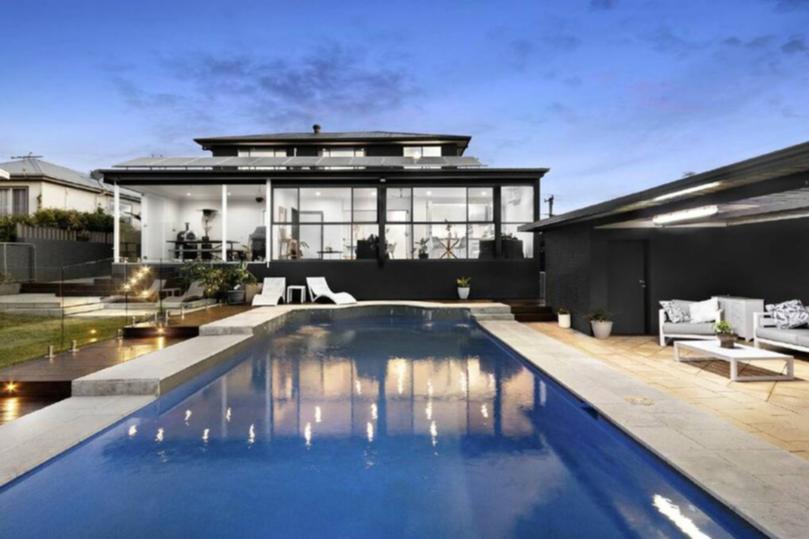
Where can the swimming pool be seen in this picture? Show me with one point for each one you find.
(367, 426)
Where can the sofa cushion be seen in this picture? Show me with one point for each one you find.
(789, 314)
(786, 336)
(688, 328)
(676, 311)
(704, 311)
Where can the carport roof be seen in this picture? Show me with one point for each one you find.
(763, 168)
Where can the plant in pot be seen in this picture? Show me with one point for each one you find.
(601, 323)
(238, 278)
(423, 248)
(563, 316)
(725, 334)
(463, 284)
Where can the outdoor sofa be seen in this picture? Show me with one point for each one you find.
(794, 331)
(671, 327)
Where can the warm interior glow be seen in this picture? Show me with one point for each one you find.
(685, 215)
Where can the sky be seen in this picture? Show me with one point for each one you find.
(612, 95)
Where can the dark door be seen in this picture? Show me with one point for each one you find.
(626, 286)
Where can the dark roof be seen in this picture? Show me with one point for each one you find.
(201, 163)
(337, 136)
(34, 168)
(777, 164)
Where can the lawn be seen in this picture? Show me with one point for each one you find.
(24, 337)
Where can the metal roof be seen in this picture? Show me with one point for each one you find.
(31, 167)
(201, 163)
(770, 166)
(337, 136)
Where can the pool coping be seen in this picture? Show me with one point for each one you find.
(763, 483)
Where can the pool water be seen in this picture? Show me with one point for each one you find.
(385, 426)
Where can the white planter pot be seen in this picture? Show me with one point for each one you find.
(601, 330)
(8, 289)
(564, 320)
(463, 293)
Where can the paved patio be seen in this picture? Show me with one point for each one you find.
(775, 411)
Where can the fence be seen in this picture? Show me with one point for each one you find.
(18, 261)
(29, 233)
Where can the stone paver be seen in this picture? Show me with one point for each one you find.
(776, 412)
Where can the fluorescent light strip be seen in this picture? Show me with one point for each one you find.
(685, 215)
(687, 191)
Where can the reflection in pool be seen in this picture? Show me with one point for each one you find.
(366, 427)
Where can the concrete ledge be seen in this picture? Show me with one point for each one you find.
(763, 483)
(160, 371)
(33, 439)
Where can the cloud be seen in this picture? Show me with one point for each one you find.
(789, 5)
(201, 90)
(603, 4)
(795, 45)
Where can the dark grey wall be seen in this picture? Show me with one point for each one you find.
(414, 279)
(765, 260)
(79, 259)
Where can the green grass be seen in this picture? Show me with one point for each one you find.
(24, 337)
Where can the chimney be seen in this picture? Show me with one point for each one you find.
(316, 129)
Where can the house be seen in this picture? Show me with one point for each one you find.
(383, 214)
(739, 230)
(31, 184)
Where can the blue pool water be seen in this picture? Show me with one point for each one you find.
(366, 427)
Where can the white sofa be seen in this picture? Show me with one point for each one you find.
(765, 332)
(686, 330)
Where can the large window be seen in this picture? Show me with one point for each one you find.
(439, 222)
(516, 208)
(324, 223)
(13, 201)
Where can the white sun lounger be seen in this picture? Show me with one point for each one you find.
(272, 291)
(319, 288)
(195, 291)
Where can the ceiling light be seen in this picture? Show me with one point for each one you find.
(429, 193)
(188, 194)
(687, 191)
(317, 193)
(685, 215)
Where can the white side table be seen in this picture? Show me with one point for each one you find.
(741, 353)
(296, 288)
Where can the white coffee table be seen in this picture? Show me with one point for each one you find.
(291, 289)
(742, 353)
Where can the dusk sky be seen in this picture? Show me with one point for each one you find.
(612, 95)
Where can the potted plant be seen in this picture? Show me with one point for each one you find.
(563, 316)
(238, 278)
(463, 284)
(601, 323)
(423, 249)
(725, 334)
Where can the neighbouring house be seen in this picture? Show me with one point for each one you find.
(739, 230)
(382, 214)
(47, 252)
(32, 184)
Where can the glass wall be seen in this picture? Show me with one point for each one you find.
(516, 208)
(441, 223)
(330, 223)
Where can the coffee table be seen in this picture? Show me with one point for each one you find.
(742, 353)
